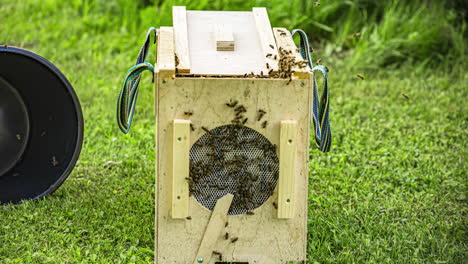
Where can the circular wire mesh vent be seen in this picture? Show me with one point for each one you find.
(233, 159)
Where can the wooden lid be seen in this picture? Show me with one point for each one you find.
(225, 43)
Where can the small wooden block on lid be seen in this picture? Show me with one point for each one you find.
(224, 38)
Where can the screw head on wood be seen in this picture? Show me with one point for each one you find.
(200, 260)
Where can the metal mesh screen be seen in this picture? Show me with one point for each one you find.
(233, 159)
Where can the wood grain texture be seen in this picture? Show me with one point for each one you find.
(165, 56)
(180, 168)
(262, 237)
(265, 33)
(179, 21)
(214, 229)
(224, 38)
(287, 172)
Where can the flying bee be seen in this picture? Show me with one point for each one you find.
(188, 113)
(264, 124)
(360, 76)
(232, 103)
(206, 129)
(405, 96)
(316, 3)
(357, 35)
(271, 46)
(319, 61)
(54, 161)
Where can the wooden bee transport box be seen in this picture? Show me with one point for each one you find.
(233, 104)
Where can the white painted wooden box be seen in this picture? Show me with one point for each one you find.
(232, 103)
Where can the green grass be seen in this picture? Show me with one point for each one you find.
(393, 189)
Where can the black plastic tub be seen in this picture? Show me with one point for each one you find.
(41, 126)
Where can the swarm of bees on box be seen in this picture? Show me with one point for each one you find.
(287, 65)
(234, 159)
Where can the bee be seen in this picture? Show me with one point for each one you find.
(261, 113)
(219, 255)
(232, 103)
(188, 218)
(268, 65)
(192, 127)
(245, 75)
(360, 76)
(269, 55)
(240, 109)
(271, 46)
(270, 71)
(245, 121)
(405, 96)
(357, 35)
(235, 121)
(188, 113)
(206, 129)
(226, 225)
(290, 80)
(264, 124)
(189, 179)
(54, 161)
(176, 60)
(275, 205)
(316, 3)
(226, 236)
(275, 57)
(250, 213)
(282, 34)
(319, 61)
(234, 240)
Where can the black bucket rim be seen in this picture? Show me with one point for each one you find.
(79, 115)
